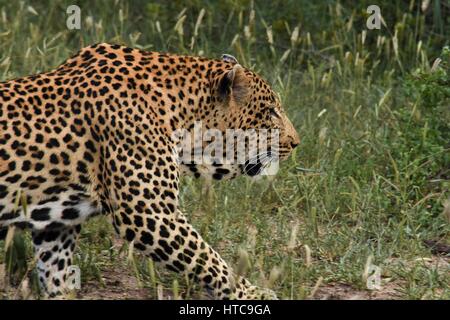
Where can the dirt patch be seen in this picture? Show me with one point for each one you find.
(117, 284)
(389, 289)
(341, 291)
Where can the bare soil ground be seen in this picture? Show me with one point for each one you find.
(118, 282)
(390, 289)
(341, 291)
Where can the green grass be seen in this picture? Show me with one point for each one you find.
(371, 175)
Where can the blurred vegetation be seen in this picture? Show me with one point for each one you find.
(371, 176)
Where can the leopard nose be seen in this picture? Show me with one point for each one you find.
(293, 145)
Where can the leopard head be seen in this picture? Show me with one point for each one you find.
(246, 122)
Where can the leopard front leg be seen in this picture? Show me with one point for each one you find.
(172, 241)
(143, 190)
(54, 253)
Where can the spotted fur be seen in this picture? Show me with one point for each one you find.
(94, 137)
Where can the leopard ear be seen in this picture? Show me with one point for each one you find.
(234, 84)
(229, 58)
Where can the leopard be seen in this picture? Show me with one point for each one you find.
(94, 136)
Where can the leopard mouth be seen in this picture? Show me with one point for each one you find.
(252, 169)
(255, 166)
